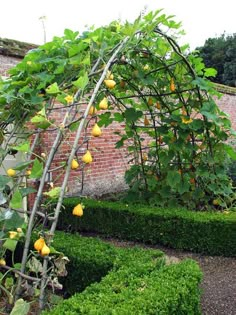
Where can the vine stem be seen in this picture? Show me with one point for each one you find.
(36, 204)
(67, 173)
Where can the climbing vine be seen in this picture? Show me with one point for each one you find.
(136, 74)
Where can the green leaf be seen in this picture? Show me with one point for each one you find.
(16, 200)
(10, 244)
(74, 126)
(69, 34)
(81, 82)
(173, 178)
(210, 72)
(118, 117)
(230, 151)
(23, 147)
(21, 307)
(104, 119)
(53, 89)
(53, 193)
(40, 122)
(37, 169)
(3, 199)
(132, 115)
(26, 191)
(22, 166)
(183, 187)
(12, 219)
(3, 181)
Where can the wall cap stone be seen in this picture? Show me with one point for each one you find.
(15, 48)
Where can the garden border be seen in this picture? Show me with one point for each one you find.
(212, 233)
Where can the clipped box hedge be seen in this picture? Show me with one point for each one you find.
(212, 233)
(90, 260)
(139, 281)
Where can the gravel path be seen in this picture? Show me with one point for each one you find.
(219, 278)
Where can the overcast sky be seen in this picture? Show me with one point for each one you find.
(201, 19)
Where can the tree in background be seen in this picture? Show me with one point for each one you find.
(220, 53)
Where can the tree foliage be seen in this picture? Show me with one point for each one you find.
(220, 53)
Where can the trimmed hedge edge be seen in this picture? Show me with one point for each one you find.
(133, 280)
(211, 233)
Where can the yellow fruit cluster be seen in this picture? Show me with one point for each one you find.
(41, 247)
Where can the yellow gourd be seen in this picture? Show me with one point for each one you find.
(2, 262)
(158, 105)
(92, 111)
(150, 101)
(87, 158)
(172, 85)
(11, 172)
(74, 164)
(146, 121)
(38, 245)
(110, 84)
(78, 210)
(45, 250)
(103, 104)
(96, 131)
(145, 157)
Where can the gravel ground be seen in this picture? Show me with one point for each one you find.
(219, 278)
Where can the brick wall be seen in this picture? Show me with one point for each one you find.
(106, 173)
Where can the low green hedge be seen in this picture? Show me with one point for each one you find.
(90, 260)
(139, 281)
(213, 233)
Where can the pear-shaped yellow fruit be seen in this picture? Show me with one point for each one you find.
(158, 105)
(78, 210)
(87, 158)
(145, 157)
(74, 164)
(172, 85)
(11, 172)
(28, 172)
(92, 111)
(38, 245)
(110, 84)
(96, 131)
(146, 121)
(2, 262)
(45, 250)
(103, 104)
(150, 101)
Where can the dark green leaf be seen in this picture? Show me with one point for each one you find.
(132, 115)
(37, 169)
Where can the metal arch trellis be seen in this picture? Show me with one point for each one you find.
(159, 99)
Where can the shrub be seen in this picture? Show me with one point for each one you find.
(139, 281)
(213, 233)
(90, 260)
(135, 289)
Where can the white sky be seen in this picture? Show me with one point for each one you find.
(201, 19)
